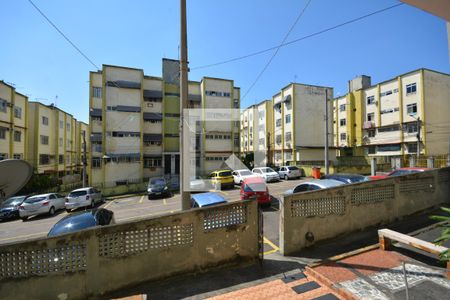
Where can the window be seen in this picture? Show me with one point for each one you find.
(61, 142)
(44, 120)
(236, 103)
(125, 134)
(370, 100)
(288, 136)
(17, 136)
(17, 156)
(68, 126)
(343, 122)
(371, 133)
(342, 107)
(411, 128)
(96, 162)
(61, 124)
(343, 136)
(44, 159)
(44, 139)
(18, 112)
(288, 119)
(236, 142)
(3, 132)
(96, 92)
(217, 94)
(411, 88)
(3, 105)
(370, 117)
(3, 156)
(278, 139)
(412, 147)
(61, 159)
(371, 150)
(411, 109)
(389, 128)
(278, 122)
(152, 162)
(388, 148)
(262, 114)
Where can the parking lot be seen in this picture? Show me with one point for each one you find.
(134, 207)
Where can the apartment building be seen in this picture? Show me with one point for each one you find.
(400, 116)
(299, 125)
(51, 146)
(135, 120)
(13, 123)
(81, 133)
(256, 131)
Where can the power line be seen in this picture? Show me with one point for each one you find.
(297, 40)
(277, 49)
(63, 35)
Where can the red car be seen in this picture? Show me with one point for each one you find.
(400, 172)
(255, 187)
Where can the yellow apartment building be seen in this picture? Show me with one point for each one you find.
(13, 123)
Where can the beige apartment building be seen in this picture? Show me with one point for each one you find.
(13, 123)
(53, 140)
(394, 117)
(135, 118)
(299, 124)
(256, 131)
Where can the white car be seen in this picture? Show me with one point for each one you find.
(267, 173)
(41, 204)
(82, 197)
(240, 175)
(314, 185)
(288, 172)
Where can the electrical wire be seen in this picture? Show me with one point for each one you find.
(276, 51)
(298, 39)
(63, 35)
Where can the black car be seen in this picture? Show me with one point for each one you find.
(82, 220)
(9, 209)
(158, 187)
(346, 177)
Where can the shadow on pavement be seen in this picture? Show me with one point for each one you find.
(212, 283)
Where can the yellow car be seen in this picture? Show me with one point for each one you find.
(222, 179)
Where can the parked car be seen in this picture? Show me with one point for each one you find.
(255, 187)
(41, 204)
(82, 220)
(314, 185)
(9, 209)
(400, 172)
(240, 175)
(346, 177)
(222, 179)
(206, 199)
(289, 172)
(267, 173)
(158, 187)
(84, 197)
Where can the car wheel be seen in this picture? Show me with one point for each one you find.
(24, 218)
(149, 198)
(68, 210)
(92, 203)
(51, 212)
(286, 177)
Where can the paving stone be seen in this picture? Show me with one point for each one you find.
(326, 297)
(305, 287)
(293, 277)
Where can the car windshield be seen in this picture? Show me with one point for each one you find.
(73, 223)
(292, 168)
(267, 170)
(35, 199)
(77, 193)
(13, 201)
(245, 173)
(255, 187)
(225, 173)
(158, 181)
(358, 179)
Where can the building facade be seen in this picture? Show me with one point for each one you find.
(13, 123)
(405, 115)
(135, 122)
(299, 125)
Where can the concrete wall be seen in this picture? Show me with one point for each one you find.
(332, 212)
(93, 262)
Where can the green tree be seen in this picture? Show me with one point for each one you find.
(445, 234)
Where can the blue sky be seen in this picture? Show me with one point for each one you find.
(139, 33)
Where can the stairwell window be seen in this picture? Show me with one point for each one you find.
(343, 136)
(342, 107)
(17, 136)
(96, 92)
(3, 105)
(44, 120)
(2, 133)
(44, 139)
(370, 100)
(370, 117)
(411, 88)
(411, 109)
(18, 112)
(343, 122)
(288, 119)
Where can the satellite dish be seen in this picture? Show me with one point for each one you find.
(14, 174)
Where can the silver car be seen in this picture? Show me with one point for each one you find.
(314, 185)
(41, 204)
(289, 172)
(83, 197)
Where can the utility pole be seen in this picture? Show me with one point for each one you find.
(326, 132)
(269, 157)
(84, 159)
(418, 139)
(184, 159)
